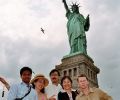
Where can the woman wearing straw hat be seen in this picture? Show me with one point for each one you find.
(39, 82)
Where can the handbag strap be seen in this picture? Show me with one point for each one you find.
(26, 93)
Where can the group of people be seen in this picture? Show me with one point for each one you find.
(39, 88)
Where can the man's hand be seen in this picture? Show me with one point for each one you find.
(52, 97)
(5, 83)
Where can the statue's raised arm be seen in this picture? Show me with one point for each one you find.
(65, 5)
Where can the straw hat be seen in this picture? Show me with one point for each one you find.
(40, 76)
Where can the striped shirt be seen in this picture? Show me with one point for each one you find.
(19, 90)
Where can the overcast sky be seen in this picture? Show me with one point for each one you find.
(23, 44)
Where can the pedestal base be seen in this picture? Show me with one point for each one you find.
(77, 64)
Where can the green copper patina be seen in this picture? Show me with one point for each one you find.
(76, 27)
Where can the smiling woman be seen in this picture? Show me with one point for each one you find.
(67, 93)
(39, 82)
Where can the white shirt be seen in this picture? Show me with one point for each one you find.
(19, 90)
(52, 89)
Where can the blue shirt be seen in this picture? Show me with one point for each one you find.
(19, 90)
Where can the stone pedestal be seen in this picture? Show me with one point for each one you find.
(79, 64)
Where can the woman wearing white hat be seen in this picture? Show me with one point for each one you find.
(39, 82)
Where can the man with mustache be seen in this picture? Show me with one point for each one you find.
(53, 89)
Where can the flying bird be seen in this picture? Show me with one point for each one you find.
(43, 30)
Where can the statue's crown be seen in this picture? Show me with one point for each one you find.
(75, 4)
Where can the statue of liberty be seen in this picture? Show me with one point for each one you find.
(76, 27)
